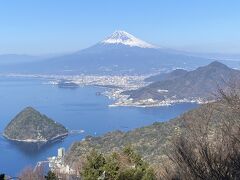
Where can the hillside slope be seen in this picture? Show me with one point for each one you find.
(31, 126)
(199, 83)
(152, 142)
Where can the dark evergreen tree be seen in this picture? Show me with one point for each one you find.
(93, 168)
(118, 166)
(51, 176)
(2, 176)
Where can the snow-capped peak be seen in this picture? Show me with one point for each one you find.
(123, 37)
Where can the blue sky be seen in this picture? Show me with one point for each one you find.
(59, 26)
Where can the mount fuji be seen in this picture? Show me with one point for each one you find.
(124, 38)
(120, 53)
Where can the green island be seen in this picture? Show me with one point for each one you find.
(31, 126)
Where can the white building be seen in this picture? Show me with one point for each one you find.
(56, 164)
(61, 152)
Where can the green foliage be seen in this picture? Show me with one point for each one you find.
(51, 176)
(149, 175)
(36, 124)
(135, 157)
(94, 166)
(140, 169)
(127, 174)
(137, 174)
(112, 168)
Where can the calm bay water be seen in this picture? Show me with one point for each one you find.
(75, 108)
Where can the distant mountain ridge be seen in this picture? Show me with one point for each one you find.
(7, 59)
(167, 76)
(200, 83)
(120, 53)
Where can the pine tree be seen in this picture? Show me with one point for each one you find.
(93, 168)
(119, 166)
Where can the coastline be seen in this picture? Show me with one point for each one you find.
(119, 99)
(152, 103)
(41, 141)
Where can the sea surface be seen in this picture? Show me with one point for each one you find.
(76, 109)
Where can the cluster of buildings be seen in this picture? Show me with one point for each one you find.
(57, 165)
(82, 80)
(114, 81)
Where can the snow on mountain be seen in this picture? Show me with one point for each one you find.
(120, 53)
(123, 37)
